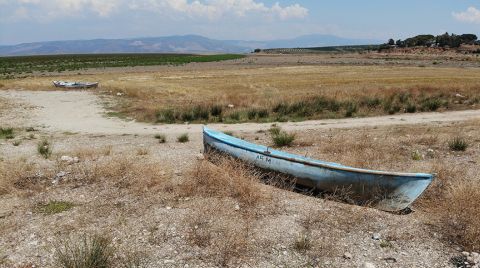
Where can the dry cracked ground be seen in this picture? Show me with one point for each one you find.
(154, 204)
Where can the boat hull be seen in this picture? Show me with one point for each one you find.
(387, 191)
(75, 84)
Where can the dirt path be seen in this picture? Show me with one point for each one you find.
(82, 112)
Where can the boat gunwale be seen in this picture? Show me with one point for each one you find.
(322, 165)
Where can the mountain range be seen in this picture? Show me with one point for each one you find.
(173, 44)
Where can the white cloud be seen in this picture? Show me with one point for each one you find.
(471, 15)
(215, 9)
(212, 10)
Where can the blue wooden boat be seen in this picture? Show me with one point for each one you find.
(391, 191)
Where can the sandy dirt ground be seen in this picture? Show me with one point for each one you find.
(155, 222)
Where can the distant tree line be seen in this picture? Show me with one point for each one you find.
(428, 40)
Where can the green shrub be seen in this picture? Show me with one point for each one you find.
(216, 110)
(44, 148)
(411, 108)
(252, 113)
(87, 252)
(262, 113)
(281, 109)
(6, 133)
(274, 130)
(186, 116)
(351, 108)
(372, 103)
(183, 138)
(416, 155)
(403, 97)
(166, 116)
(200, 113)
(282, 139)
(431, 104)
(458, 144)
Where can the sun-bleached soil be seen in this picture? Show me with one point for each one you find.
(158, 221)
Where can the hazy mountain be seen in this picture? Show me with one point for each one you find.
(173, 44)
(314, 40)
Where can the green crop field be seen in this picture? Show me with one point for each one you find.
(12, 66)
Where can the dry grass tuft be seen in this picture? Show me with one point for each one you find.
(227, 178)
(21, 175)
(458, 212)
(453, 200)
(87, 252)
(44, 148)
(124, 172)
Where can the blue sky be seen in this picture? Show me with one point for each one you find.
(42, 20)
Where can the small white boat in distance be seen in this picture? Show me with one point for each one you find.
(75, 84)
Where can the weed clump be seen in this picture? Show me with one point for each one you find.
(183, 138)
(87, 252)
(303, 242)
(44, 148)
(227, 178)
(54, 207)
(458, 144)
(281, 138)
(6, 133)
(161, 138)
(351, 109)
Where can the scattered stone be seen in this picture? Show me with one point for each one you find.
(61, 174)
(466, 254)
(168, 261)
(231, 106)
(368, 265)
(69, 159)
(390, 260)
(200, 157)
(168, 208)
(119, 94)
(347, 256)
(459, 96)
(237, 207)
(376, 236)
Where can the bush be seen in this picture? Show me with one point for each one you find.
(44, 148)
(186, 116)
(88, 252)
(350, 109)
(274, 130)
(200, 113)
(431, 104)
(216, 110)
(458, 144)
(183, 138)
(166, 116)
(411, 108)
(372, 103)
(262, 113)
(252, 114)
(283, 139)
